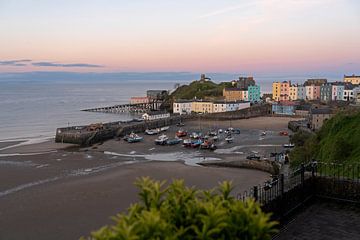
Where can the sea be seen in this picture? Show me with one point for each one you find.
(33, 109)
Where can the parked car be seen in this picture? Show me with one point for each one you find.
(283, 133)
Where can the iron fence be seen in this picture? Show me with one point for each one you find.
(283, 194)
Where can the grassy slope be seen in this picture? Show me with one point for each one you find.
(339, 139)
(200, 90)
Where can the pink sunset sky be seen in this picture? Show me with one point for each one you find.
(260, 36)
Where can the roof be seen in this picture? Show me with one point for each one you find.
(351, 76)
(286, 103)
(232, 89)
(183, 101)
(229, 102)
(321, 111)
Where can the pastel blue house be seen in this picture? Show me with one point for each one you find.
(283, 108)
(254, 93)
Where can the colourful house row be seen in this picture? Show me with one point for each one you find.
(199, 106)
(251, 94)
(314, 89)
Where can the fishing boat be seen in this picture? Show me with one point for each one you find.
(187, 142)
(174, 141)
(161, 140)
(236, 131)
(133, 138)
(212, 133)
(229, 138)
(215, 138)
(151, 131)
(194, 135)
(196, 143)
(181, 133)
(263, 133)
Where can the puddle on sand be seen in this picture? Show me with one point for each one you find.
(18, 163)
(233, 150)
(191, 159)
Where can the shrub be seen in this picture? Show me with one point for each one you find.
(179, 212)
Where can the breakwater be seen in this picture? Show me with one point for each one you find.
(82, 136)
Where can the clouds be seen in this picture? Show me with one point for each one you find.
(28, 62)
(69, 65)
(17, 63)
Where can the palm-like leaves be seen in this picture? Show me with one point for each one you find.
(178, 212)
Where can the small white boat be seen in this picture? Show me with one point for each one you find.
(229, 139)
(161, 140)
(289, 145)
(163, 129)
(151, 131)
(263, 133)
(133, 138)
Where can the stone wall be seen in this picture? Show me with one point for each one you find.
(254, 111)
(79, 135)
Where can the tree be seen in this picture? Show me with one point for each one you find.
(179, 212)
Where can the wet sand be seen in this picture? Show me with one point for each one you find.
(56, 191)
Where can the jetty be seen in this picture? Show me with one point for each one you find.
(132, 108)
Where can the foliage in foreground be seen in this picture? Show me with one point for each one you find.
(336, 142)
(179, 212)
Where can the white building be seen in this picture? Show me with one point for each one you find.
(149, 116)
(182, 107)
(226, 106)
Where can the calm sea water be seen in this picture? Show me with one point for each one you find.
(34, 109)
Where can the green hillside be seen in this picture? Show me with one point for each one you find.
(200, 90)
(338, 141)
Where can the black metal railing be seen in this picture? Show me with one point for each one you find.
(284, 194)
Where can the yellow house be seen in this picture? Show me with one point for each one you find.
(202, 107)
(352, 79)
(293, 93)
(276, 90)
(232, 94)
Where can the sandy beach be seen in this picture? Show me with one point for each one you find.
(56, 191)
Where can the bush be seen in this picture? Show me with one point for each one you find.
(179, 212)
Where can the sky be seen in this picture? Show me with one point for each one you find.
(227, 36)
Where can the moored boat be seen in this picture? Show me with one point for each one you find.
(187, 142)
(174, 141)
(229, 139)
(151, 131)
(181, 133)
(161, 140)
(196, 143)
(163, 129)
(289, 145)
(133, 138)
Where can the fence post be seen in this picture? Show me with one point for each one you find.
(302, 171)
(256, 193)
(282, 187)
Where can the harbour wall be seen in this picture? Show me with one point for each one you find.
(81, 136)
